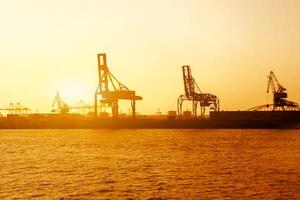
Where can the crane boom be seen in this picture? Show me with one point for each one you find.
(274, 83)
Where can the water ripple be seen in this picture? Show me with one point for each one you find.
(150, 164)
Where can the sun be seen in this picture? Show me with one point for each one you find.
(75, 91)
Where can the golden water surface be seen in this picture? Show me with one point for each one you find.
(150, 164)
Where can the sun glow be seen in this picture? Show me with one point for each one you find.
(74, 92)
(231, 46)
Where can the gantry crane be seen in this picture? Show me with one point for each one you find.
(111, 90)
(82, 108)
(279, 94)
(194, 94)
(17, 109)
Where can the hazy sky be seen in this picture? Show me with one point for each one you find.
(231, 46)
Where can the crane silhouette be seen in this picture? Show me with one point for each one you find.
(194, 94)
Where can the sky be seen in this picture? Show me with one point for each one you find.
(231, 46)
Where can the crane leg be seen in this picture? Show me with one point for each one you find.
(115, 108)
(133, 108)
(179, 105)
(202, 111)
(195, 105)
(95, 106)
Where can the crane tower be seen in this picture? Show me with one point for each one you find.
(194, 94)
(279, 94)
(279, 97)
(112, 90)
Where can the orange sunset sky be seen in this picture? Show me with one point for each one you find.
(231, 46)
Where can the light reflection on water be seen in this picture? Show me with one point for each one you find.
(145, 164)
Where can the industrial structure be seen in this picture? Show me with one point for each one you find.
(83, 108)
(194, 94)
(16, 109)
(284, 114)
(279, 97)
(111, 90)
(279, 94)
(60, 106)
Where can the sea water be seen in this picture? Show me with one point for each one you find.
(150, 164)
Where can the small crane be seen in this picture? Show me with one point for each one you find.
(61, 106)
(17, 109)
(82, 108)
(279, 94)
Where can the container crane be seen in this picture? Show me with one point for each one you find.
(112, 90)
(279, 94)
(17, 109)
(82, 108)
(194, 94)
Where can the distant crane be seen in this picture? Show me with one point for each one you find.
(17, 109)
(279, 94)
(279, 97)
(61, 106)
(83, 108)
(194, 94)
(112, 90)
